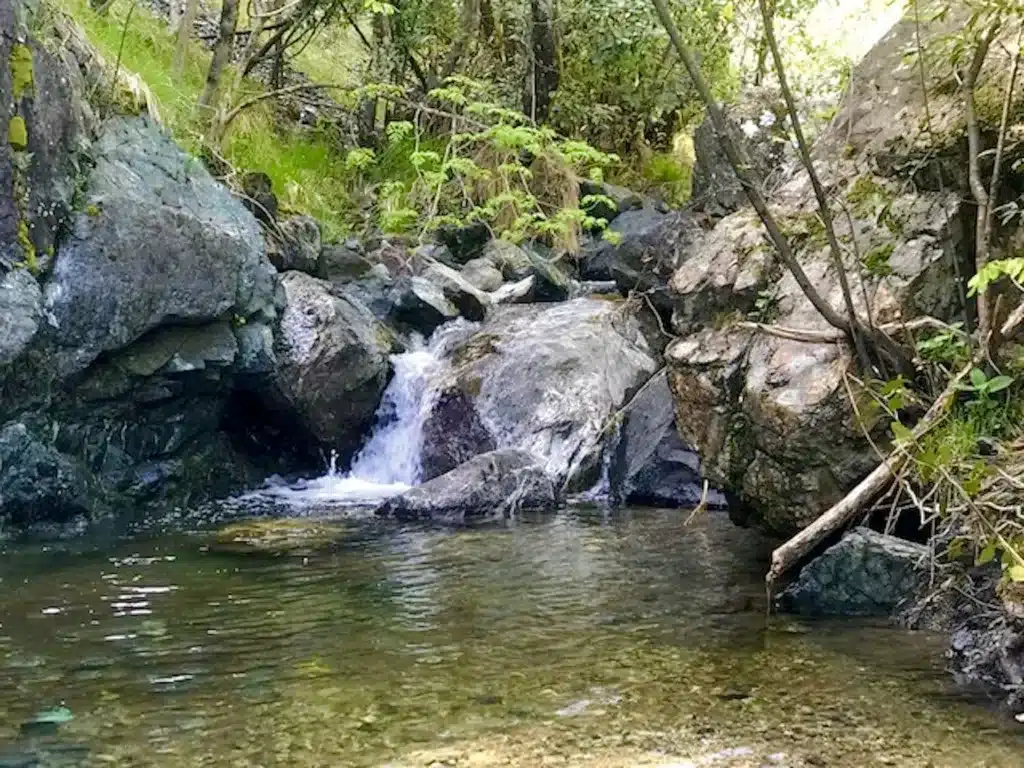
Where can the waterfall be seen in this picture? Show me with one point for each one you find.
(389, 462)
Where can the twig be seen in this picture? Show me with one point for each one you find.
(120, 50)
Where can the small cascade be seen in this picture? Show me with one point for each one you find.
(389, 462)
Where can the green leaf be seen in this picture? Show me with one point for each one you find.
(1015, 573)
(999, 383)
(978, 378)
(987, 555)
(902, 434)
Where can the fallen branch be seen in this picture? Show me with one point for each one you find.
(796, 334)
(835, 518)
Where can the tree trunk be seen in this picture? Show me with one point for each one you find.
(184, 34)
(819, 191)
(543, 75)
(978, 191)
(221, 55)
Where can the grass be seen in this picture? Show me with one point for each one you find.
(306, 166)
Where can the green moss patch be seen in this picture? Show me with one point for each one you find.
(20, 62)
(17, 133)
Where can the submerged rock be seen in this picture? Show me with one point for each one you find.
(491, 486)
(865, 574)
(545, 380)
(278, 537)
(990, 654)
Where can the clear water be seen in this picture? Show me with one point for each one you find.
(581, 639)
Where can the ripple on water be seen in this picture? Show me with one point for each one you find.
(582, 639)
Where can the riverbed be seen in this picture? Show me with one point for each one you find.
(586, 638)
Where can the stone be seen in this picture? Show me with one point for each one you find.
(38, 484)
(490, 486)
(990, 655)
(452, 435)
(619, 199)
(179, 349)
(545, 380)
(160, 242)
(255, 349)
(465, 243)
(341, 264)
(278, 537)
(512, 261)
(650, 464)
(21, 303)
(471, 302)
(332, 363)
(295, 244)
(513, 293)
(866, 574)
(258, 196)
(420, 306)
(552, 282)
(480, 273)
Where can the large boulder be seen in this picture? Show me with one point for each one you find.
(159, 242)
(547, 381)
(770, 416)
(420, 306)
(471, 302)
(866, 574)
(651, 465)
(482, 274)
(490, 486)
(332, 363)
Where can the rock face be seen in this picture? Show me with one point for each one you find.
(490, 486)
(865, 574)
(545, 381)
(332, 362)
(651, 465)
(159, 242)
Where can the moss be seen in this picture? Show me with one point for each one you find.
(28, 248)
(876, 261)
(92, 210)
(17, 133)
(20, 62)
(865, 194)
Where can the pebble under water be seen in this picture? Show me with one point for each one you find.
(580, 639)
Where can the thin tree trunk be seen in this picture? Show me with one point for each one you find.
(819, 191)
(544, 74)
(184, 34)
(741, 167)
(978, 191)
(221, 55)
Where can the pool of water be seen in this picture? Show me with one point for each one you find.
(629, 639)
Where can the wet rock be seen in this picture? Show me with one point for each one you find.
(420, 306)
(295, 244)
(452, 435)
(278, 537)
(512, 261)
(651, 465)
(491, 486)
(513, 293)
(482, 274)
(20, 314)
(160, 242)
(258, 196)
(38, 484)
(551, 280)
(865, 574)
(546, 381)
(991, 655)
(619, 199)
(255, 349)
(332, 363)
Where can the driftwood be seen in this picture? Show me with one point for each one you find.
(797, 548)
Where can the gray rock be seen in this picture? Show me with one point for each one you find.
(452, 435)
(342, 264)
(990, 654)
(420, 305)
(490, 486)
(295, 244)
(20, 313)
(514, 293)
(471, 302)
(259, 198)
(179, 349)
(332, 363)
(483, 275)
(552, 282)
(255, 349)
(621, 199)
(160, 242)
(543, 380)
(512, 261)
(465, 243)
(651, 465)
(865, 574)
(38, 484)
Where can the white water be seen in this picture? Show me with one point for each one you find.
(389, 463)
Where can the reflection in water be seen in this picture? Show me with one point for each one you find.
(575, 635)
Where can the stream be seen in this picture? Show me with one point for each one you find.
(588, 637)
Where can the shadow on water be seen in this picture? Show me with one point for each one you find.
(585, 638)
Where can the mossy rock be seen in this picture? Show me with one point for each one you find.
(278, 537)
(20, 61)
(17, 133)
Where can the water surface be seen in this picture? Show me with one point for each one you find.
(584, 638)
